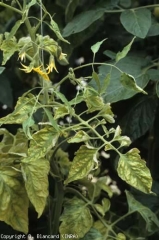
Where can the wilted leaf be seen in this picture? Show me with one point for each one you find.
(137, 22)
(125, 51)
(56, 30)
(82, 164)
(152, 223)
(14, 200)
(76, 218)
(128, 81)
(133, 170)
(82, 21)
(61, 111)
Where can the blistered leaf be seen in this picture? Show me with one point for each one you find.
(24, 107)
(129, 82)
(95, 47)
(82, 21)
(150, 218)
(14, 200)
(80, 136)
(137, 21)
(82, 164)
(125, 51)
(76, 218)
(133, 170)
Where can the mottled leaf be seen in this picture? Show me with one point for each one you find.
(14, 200)
(137, 22)
(133, 170)
(76, 218)
(60, 111)
(82, 164)
(80, 136)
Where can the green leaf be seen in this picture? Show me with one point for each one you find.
(137, 22)
(2, 69)
(76, 218)
(153, 74)
(16, 27)
(125, 51)
(100, 227)
(116, 91)
(8, 47)
(107, 113)
(121, 236)
(82, 21)
(106, 204)
(70, 9)
(125, 3)
(100, 209)
(129, 82)
(25, 106)
(14, 200)
(35, 167)
(80, 136)
(157, 89)
(82, 164)
(95, 47)
(133, 170)
(105, 84)
(154, 29)
(93, 234)
(149, 217)
(140, 117)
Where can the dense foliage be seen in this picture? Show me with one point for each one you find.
(79, 95)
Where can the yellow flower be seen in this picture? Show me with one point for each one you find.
(38, 69)
(51, 65)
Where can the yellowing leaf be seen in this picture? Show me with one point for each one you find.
(100, 227)
(80, 136)
(35, 174)
(107, 113)
(13, 199)
(82, 164)
(133, 170)
(61, 111)
(24, 107)
(76, 218)
(35, 167)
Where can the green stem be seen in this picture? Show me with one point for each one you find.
(97, 63)
(132, 9)
(11, 8)
(59, 83)
(121, 218)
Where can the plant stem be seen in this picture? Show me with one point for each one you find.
(97, 63)
(11, 8)
(132, 9)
